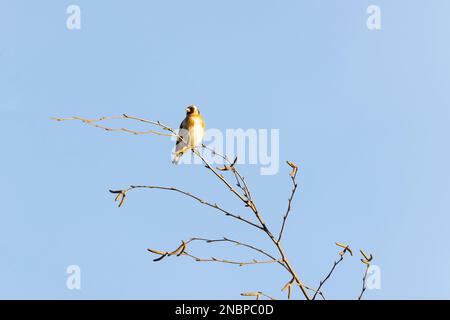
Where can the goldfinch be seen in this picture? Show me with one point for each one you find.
(191, 131)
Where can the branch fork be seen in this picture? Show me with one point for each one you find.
(243, 194)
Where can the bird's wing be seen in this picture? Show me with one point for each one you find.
(183, 136)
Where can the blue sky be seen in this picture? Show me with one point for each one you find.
(364, 113)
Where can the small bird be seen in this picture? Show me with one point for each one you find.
(191, 131)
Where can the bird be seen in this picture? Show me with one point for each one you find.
(190, 134)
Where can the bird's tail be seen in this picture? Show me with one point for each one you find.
(176, 158)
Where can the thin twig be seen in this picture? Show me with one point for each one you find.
(240, 263)
(293, 175)
(322, 282)
(240, 181)
(94, 123)
(367, 259)
(256, 294)
(346, 249)
(225, 239)
(246, 198)
(181, 251)
(252, 206)
(364, 287)
(320, 293)
(123, 193)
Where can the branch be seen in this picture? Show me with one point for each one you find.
(249, 203)
(181, 250)
(232, 167)
(220, 176)
(366, 260)
(246, 198)
(225, 239)
(341, 254)
(256, 294)
(94, 123)
(294, 189)
(316, 292)
(240, 263)
(121, 195)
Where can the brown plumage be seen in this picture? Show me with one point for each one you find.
(191, 131)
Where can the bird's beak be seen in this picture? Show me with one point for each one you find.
(187, 109)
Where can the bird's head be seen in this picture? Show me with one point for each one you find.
(192, 110)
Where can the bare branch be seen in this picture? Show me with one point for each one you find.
(293, 175)
(240, 263)
(240, 181)
(225, 239)
(94, 123)
(245, 197)
(320, 293)
(288, 286)
(181, 251)
(256, 294)
(364, 288)
(249, 203)
(341, 257)
(366, 260)
(123, 193)
(220, 176)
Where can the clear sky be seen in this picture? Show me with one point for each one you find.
(364, 113)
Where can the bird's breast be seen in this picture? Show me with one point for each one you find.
(196, 127)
